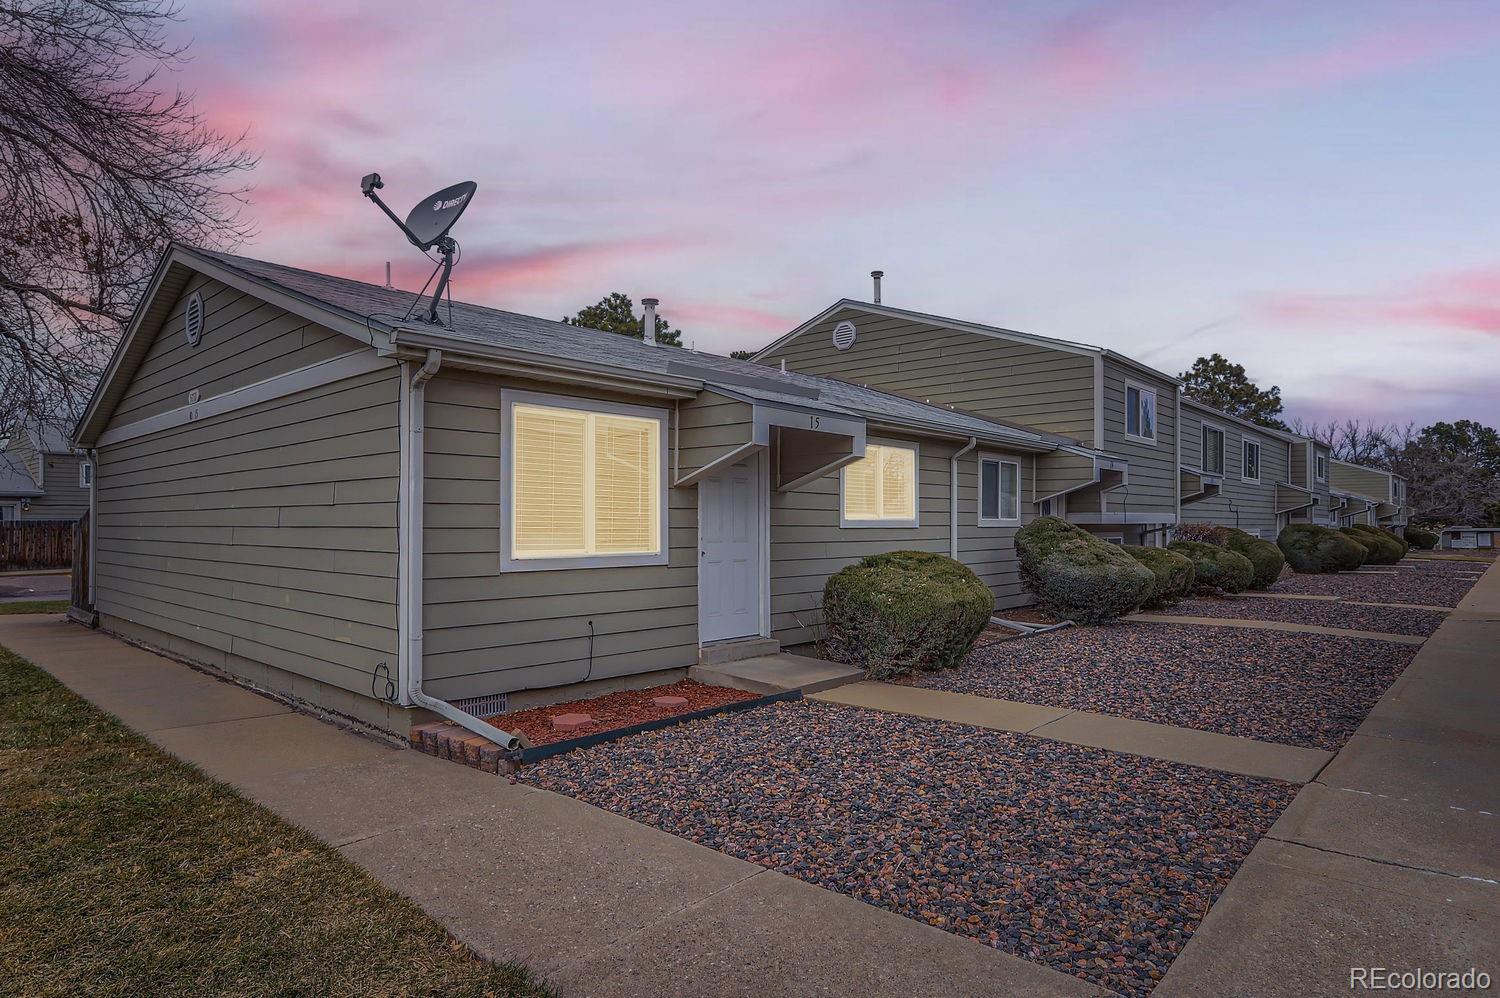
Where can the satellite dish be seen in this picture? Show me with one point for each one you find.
(431, 219)
(427, 226)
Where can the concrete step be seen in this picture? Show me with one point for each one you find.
(733, 651)
(777, 673)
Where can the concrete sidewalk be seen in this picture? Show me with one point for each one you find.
(1391, 858)
(598, 904)
(1272, 625)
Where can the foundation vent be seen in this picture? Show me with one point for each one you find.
(485, 706)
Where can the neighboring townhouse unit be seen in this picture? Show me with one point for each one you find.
(1235, 473)
(298, 486)
(1307, 497)
(1463, 538)
(42, 477)
(1121, 482)
(1373, 496)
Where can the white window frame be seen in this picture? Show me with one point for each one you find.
(916, 506)
(999, 521)
(1245, 444)
(1142, 391)
(1223, 471)
(509, 398)
(1320, 467)
(85, 474)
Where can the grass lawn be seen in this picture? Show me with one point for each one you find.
(124, 871)
(34, 606)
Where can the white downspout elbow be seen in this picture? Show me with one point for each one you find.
(953, 496)
(413, 477)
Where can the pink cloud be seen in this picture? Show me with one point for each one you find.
(1467, 300)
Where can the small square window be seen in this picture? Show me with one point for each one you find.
(1250, 467)
(999, 491)
(1140, 413)
(85, 475)
(880, 489)
(1321, 465)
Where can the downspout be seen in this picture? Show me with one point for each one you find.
(409, 612)
(953, 496)
(93, 459)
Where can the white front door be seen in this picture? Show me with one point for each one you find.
(729, 547)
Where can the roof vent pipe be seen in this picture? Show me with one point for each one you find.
(877, 275)
(648, 321)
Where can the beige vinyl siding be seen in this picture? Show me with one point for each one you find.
(245, 340)
(1367, 482)
(1153, 467)
(1059, 471)
(808, 545)
(1303, 474)
(21, 450)
(711, 427)
(1239, 503)
(267, 534)
(62, 498)
(487, 631)
(1026, 383)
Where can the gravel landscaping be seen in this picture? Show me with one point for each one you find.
(618, 710)
(1429, 589)
(1324, 613)
(1095, 863)
(1311, 690)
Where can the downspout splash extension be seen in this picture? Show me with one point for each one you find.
(413, 477)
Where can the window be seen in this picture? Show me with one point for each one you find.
(1250, 466)
(1140, 413)
(584, 485)
(1213, 450)
(880, 489)
(85, 474)
(999, 492)
(1321, 464)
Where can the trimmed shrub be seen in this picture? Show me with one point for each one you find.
(1215, 567)
(1388, 548)
(904, 610)
(1173, 574)
(1422, 540)
(1206, 533)
(1311, 547)
(1364, 540)
(1077, 575)
(1266, 558)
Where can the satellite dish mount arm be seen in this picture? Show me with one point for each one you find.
(369, 185)
(445, 245)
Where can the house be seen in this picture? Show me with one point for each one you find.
(42, 476)
(1463, 538)
(1235, 473)
(1373, 496)
(299, 486)
(1307, 496)
(1121, 479)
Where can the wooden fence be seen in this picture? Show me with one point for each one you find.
(36, 544)
(81, 565)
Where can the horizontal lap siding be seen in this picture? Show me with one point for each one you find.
(1153, 468)
(1017, 382)
(62, 498)
(489, 632)
(1240, 504)
(1303, 474)
(711, 427)
(808, 545)
(1360, 481)
(268, 533)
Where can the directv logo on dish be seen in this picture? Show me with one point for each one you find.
(440, 205)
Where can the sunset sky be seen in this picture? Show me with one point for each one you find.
(1310, 189)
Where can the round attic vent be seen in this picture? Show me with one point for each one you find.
(194, 319)
(843, 335)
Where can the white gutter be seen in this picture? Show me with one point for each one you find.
(953, 496)
(409, 596)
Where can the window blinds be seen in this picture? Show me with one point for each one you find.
(882, 485)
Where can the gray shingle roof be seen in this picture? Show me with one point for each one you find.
(484, 326)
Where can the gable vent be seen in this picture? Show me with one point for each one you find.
(194, 319)
(843, 335)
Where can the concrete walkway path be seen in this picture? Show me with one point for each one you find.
(1391, 857)
(1207, 749)
(1272, 625)
(1346, 602)
(598, 904)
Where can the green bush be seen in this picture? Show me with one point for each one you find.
(1173, 574)
(1310, 547)
(1364, 540)
(1215, 567)
(1207, 533)
(1388, 548)
(1422, 540)
(904, 610)
(1266, 558)
(1077, 575)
